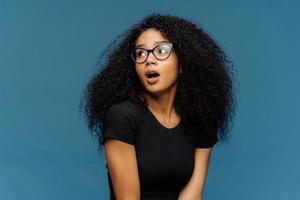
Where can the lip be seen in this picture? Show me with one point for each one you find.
(152, 80)
(150, 71)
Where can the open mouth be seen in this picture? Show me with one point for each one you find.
(152, 75)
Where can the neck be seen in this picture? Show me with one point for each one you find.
(163, 104)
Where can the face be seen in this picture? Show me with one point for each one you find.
(168, 68)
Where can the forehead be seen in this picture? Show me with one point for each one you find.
(150, 38)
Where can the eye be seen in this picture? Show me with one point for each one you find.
(140, 53)
(164, 48)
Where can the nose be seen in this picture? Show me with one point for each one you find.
(151, 59)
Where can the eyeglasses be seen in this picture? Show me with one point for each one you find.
(160, 52)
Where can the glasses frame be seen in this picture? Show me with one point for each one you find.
(151, 51)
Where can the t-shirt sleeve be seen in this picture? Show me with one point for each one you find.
(119, 124)
(206, 141)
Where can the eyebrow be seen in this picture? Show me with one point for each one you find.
(157, 42)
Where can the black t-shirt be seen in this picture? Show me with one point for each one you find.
(165, 156)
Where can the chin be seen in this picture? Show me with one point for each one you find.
(156, 91)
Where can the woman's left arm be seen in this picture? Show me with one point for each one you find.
(194, 188)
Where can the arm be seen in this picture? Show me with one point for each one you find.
(194, 188)
(122, 166)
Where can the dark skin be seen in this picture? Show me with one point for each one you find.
(160, 95)
(203, 97)
(121, 157)
(160, 100)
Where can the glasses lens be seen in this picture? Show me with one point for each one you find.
(162, 51)
(139, 55)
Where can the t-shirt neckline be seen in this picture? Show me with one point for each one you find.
(164, 127)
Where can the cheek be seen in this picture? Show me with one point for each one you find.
(170, 71)
(170, 76)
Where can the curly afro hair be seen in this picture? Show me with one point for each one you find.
(204, 98)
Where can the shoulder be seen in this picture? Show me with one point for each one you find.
(121, 122)
(127, 107)
(126, 110)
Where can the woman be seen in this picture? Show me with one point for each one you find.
(163, 99)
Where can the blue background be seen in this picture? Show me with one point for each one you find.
(48, 52)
